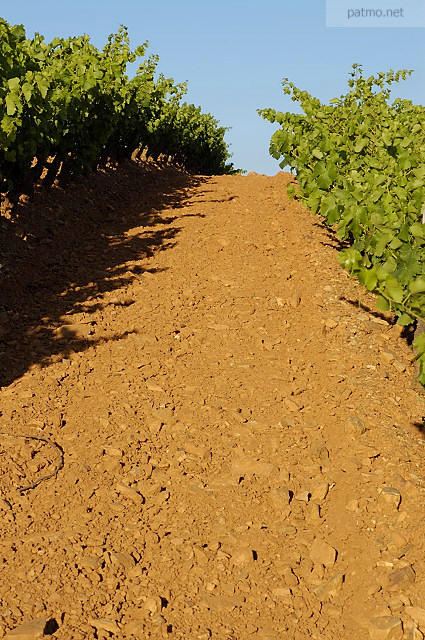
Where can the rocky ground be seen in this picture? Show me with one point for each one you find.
(207, 431)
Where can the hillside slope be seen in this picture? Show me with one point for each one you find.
(238, 426)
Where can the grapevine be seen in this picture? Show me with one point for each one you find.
(360, 163)
(67, 107)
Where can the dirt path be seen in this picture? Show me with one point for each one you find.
(237, 423)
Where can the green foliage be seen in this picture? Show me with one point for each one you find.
(360, 163)
(69, 101)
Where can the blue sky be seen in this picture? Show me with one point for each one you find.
(234, 53)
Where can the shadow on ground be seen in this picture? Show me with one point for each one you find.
(65, 249)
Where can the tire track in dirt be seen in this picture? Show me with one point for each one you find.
(238, 428)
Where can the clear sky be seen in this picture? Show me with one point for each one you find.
(234, 53)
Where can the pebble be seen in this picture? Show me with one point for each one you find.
(73, 331)
(130, 493)
(105, 624)
(390, 496)
(414, 634)
(398, 540)
(124, 559)
(385, 628)
(284, 594)
(320, 493)
(90, 562)
(280, 498)
(356, 426)
(247, 466)
(330, 588)
(304, 496)
(31, 630)
(197, 450)
(417, 614)
(152, 386)
(291, 405)
(402, 576)
(352, 505)
(242, 557)
(322, 553)
(152, 604)
(136, 627)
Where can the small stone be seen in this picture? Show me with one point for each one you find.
(31, 630)
(414, 634)
(356, 426)
(304, 496)
(295, 300)
(375, 588)
(130, 493)
(113, 451)
(313, 513)
(136, 627)
(385, 628)
(320, 492)
(402, 576)
(417, 614)
(330, 323)
(242, 557)
(90, 562)
(152, 386)
(124, 559)
(329, 589)
(197, 450)
(390, 496)
(284, 594)
(398, 540)
(322, 553)
(105, 624)
(352, 505)
(400, 366)
(73, 331)
(164, 414)
(280, 498)
(289, 530)
(291, 405)
(318, 452)
(246, 466)
(153, 604)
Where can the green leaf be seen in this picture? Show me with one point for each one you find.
(405, 319)
(383, 304)
(368, 278)
(386, 138)
(10, 105)
(394, 289)
(418, 230)
(290, 191)
(329, 209)
(13, 83)
(324, 181)
(27, 91)
(419, 344)
(417, 286)
(350, 259)
(361, 144)
(43, 88)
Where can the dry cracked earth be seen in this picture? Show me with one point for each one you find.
(206, 428)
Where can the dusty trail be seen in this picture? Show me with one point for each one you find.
(237, 425)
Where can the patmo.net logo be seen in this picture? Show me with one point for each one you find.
(374, 13)
(347, 13)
